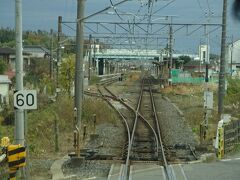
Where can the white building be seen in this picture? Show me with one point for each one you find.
(204, 53)
(233, 57)
(4, 89)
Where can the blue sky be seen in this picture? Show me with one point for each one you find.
(42, 14)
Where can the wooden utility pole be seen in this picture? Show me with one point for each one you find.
(221, 87)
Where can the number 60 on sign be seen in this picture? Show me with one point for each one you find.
(25, 99)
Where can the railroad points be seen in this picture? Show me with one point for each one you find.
(152, 142)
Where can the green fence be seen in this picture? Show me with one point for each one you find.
(176, 72)
(189, 80)
(176, 79)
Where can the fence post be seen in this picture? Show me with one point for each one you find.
(220, 143)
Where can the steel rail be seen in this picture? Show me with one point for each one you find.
(157, 122)
(133, 131)
(168, 169)
(123, 175)
(139, 114)
(120, 114)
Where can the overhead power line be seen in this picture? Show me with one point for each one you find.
(114, 8)
(209, 8)
(200, 6)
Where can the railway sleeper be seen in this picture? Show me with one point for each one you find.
(144, 150)
(144, 158)
(144, 139)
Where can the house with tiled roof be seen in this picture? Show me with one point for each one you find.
(29, 52)
(199, 66)
(36, 51)
(5, 53)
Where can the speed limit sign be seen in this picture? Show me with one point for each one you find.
(25, 99)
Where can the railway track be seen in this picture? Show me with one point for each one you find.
(144, 140)
(143, 135)
(142, 146)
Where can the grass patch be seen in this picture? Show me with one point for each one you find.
(236, 148)
(103, 112)
(189, 98)
(94, 80)
(40, 124)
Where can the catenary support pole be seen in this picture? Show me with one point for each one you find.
(90, 58)
(170, 52)
(58, 53)
(79, 76)
(51, 55)
(231, 64)
(221, 87)
(19, 114)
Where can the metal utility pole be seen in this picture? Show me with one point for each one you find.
(90, 58)
(231, 68)
(207, 59)
(51, 55)
(19, 114)
(94, 57)
(171, 46)
(170, 51)
(58, 52)
(79, 76)
(221, 87)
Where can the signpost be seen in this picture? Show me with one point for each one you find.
(208, 100)
(25, 99)
(208, 106)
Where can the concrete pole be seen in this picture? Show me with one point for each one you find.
(19, 114)
(221, 87)
(171, 47)
(51, 55)
(27, 167)
(58, 52)
(207, 61)
(231, 63)
(90, 58)
(104, 67)
(97, 67)
(170, 52)
(79, 62)
(56, 131)
(94, 57)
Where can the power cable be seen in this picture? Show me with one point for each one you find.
(200, 6)
(163, 7)
(150, 11)
(209, 8)
(114, 8)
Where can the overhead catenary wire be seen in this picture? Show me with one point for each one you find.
(209, 8)
(200, 6)
(114, 8)
(150, 11)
